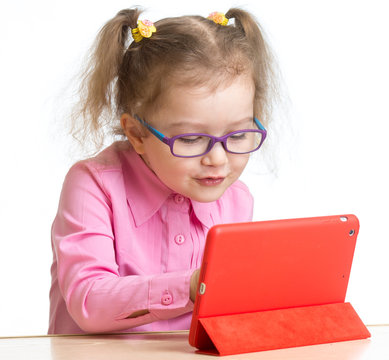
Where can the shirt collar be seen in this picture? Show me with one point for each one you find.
(146, 193)
(206, 213)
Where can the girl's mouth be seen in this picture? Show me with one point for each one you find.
(210, 181)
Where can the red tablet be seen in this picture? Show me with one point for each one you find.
(268, 265)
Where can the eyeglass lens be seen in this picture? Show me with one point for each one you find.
(239, 142)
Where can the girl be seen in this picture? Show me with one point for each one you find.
(131, 225)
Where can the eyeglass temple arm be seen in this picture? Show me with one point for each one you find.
(260, 126)
(158, 134)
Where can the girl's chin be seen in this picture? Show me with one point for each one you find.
(207, 194)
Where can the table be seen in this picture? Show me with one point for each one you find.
(174, 345)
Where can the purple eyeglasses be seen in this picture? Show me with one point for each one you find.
(197, 144)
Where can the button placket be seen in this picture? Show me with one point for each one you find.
(180, 248)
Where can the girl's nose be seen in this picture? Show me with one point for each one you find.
(216, 157)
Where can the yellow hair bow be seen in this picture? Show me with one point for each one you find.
(218, 18)
(144, 30)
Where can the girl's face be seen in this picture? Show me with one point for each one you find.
(199, 110)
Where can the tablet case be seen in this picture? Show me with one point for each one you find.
(276, 284)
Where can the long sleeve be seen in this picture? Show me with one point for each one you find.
(98, 298)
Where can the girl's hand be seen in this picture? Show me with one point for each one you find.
(194, 280)
(138, 313)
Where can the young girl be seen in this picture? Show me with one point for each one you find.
(191, 93)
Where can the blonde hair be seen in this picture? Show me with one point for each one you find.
(186, 50)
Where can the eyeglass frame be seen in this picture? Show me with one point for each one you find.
(213, 139)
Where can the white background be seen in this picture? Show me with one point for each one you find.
(334, 59)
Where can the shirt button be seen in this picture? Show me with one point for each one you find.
(179, 199)
(167, 298)
(179, 239)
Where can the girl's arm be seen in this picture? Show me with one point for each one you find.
(96, 296)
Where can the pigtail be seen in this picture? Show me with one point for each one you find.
(263, 61)
(247, 24)
(96, 108)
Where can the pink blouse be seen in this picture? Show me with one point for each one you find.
(123, 242)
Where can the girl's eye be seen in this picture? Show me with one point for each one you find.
(190, 139)
(236, 137)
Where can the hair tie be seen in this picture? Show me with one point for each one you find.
(218, 18)
(144, 30)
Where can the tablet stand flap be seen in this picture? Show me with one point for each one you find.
(277, 329)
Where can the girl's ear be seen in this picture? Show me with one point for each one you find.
(133, 131)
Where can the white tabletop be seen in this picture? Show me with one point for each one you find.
(174, 345)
